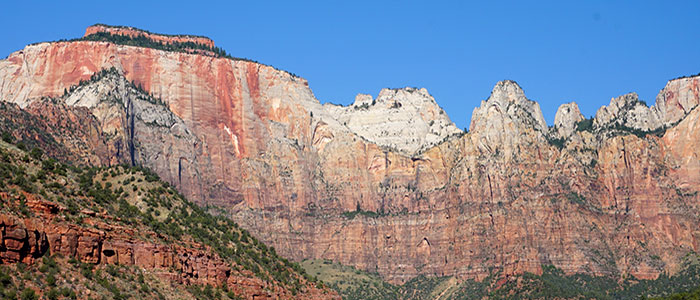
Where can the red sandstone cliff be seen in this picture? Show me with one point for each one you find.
(134, 32)
(502, 195)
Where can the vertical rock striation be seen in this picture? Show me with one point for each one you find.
(323, 182)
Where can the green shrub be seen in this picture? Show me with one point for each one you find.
(28, 294)
(557, 142)
(585, 125)
(36, 153)
(7, 137)
(52, 294)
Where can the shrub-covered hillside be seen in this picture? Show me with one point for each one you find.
(551, 284)
(120, 232)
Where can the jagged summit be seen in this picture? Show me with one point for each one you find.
(508, 97)
(363, 99)
(507, 104)
(568, 115)
(406, 119)
(506, 89)
(265, 151)
(675, 101)
(628, 111)
(506, 118)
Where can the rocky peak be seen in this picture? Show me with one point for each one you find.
(677, 99)
(508, 97)
(135, 32)
(406, 119)
(627, 111)
(506, 90)
(618, 105)
(566, 118)
(505, 118)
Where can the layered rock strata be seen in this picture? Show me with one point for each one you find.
(28, 239)
(321, 182)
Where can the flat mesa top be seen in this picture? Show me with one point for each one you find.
(134, 32)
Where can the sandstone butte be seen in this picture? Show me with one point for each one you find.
(512, 194)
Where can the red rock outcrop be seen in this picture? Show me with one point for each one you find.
(27, 239)
(499, 196)
(66, 133)
(163, 38)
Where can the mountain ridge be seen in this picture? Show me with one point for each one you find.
(121, 30)
(503, 195)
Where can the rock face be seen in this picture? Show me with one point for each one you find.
(629, 112)
(568, 115)
(139, 129)
(674, 102)
(28, 239)
(677, 99)
(64, 132)
(321, 182)
(407, 120)
(135, 32)
(505, 119)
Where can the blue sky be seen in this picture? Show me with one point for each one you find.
(559, 51)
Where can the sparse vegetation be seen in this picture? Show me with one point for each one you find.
(143, 41)
(364, 106)
(160, 213)
(638, 132)
(686, 76)
(552, 284)
(112, 71)
(368, 214)
(350, 282)
(557, 142)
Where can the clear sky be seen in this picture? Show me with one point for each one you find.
(558, 51)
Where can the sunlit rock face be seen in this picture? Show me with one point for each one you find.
(627, 111)
(566, 120)
(674, 102)
(677, 99)
(322, 181)
(507, 120)
(405, 120)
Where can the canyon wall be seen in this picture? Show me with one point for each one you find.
(330, 182)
